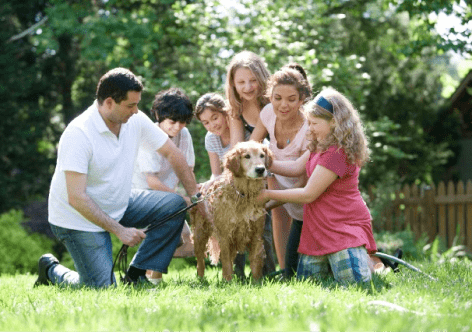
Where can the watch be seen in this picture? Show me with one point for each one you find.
(195, 198)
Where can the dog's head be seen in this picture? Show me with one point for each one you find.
(249, 159)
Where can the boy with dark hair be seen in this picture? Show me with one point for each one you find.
(172, 104)
(173, 110)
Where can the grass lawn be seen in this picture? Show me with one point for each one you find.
(406, 301)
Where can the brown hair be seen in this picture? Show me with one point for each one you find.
(254, 63)
(289, 76)
(212, 101)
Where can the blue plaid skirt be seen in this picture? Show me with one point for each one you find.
(347, 266)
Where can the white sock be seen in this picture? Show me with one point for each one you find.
(155, 281)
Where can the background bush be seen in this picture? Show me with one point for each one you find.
(19, 251)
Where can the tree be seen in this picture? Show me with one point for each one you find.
(380, 53)
(27, 128)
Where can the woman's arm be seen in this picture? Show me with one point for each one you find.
(215, 164)
(236, 130)
(318, 182)
(291, 168)
(260, 132)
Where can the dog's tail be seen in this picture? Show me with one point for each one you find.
(213, 248)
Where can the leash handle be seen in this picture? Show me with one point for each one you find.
(122, 256)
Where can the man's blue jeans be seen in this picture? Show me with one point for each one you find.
(92, 251)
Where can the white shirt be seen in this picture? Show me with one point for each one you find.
(87, 146)
(152, 162)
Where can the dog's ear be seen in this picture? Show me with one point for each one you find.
(269, 157)
(232, 161)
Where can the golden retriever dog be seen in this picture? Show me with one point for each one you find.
(236, 222)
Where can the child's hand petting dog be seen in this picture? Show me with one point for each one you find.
(262, 198)
(272, 205)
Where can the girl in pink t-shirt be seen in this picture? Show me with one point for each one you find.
(337, 231)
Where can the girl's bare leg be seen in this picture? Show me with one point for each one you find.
(281, 223)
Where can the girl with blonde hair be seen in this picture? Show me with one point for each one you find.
(245, 86)
(337, 234)
(246, 82)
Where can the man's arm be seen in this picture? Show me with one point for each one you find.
(76, 185)
(179, 165)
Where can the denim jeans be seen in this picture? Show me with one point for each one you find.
(92, 251)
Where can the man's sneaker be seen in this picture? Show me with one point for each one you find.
(141, 282)
(44, 264)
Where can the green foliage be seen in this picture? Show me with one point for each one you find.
(381, 53)
(20, 251)
(388, 242)
(27, 130)
(438, 253)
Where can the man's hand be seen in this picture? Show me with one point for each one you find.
(131, 236)
(187, 200)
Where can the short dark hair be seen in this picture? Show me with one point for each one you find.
(172, 104)
(116, 83)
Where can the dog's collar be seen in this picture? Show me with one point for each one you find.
(240, 194)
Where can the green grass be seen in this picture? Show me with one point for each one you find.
(183, 302)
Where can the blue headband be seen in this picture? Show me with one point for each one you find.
(321, 101)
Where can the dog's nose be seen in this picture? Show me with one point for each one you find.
(260, 170)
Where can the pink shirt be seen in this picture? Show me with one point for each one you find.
(292, 151)
(339, 218)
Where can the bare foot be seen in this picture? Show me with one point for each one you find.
(185, 250)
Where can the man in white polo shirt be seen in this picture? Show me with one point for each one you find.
(91, 196)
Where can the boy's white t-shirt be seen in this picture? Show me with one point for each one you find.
(151, 162)
(87, 146)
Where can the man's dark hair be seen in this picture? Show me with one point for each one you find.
(172, 104)
(116, 83)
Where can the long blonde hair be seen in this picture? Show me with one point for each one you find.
(254, 63)
(348, 131)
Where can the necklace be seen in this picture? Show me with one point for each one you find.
(288, 140)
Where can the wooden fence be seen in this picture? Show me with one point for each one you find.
(442, 210)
